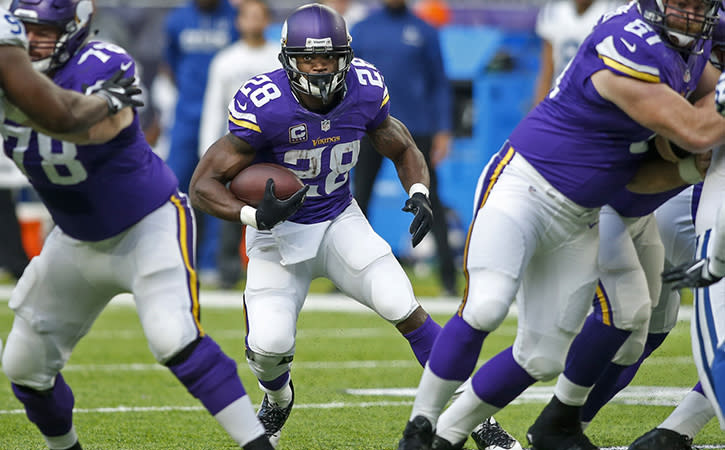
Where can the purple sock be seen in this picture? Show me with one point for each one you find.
(422, 338)
(52, 410)
(592, 351)
(456, 350)
(501, 379)
(276, 384)
(210, 375)
(615, 378)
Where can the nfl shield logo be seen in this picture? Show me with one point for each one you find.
(325, 125)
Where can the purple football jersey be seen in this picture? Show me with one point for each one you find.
(628, 204)
(584, 145)
(93, 192)
(320, 148)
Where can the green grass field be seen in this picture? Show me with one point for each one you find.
(124, 400)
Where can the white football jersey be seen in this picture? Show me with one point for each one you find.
(229, 70)
(559, 23)
(12, 32)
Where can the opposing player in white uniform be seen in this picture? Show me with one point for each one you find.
(677, 216)
(309, 116)
(562, 26)
(121, 226)
(705, 273)
(534, 236)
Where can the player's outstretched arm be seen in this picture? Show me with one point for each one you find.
(100, 133)
(51, 108)
(393, 140)
(695, 127)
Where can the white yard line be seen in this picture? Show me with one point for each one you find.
(325, 365)
(318, 302)
(332, 405)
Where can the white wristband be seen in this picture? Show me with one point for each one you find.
(688, 170)
(418, 187)
(248, 216)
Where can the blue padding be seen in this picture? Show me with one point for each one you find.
(467, 50)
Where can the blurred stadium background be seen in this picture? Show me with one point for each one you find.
(491, 54)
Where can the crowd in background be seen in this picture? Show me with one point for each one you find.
(174, 43)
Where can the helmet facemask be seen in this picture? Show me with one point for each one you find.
(681, 29)
(71, 17)
(320, 85)
(315, 30)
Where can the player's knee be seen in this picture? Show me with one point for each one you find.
(543, 367)
(542, 356)
(165, 346)
(490, 295)
(22, 366)
(391, 293)
(637, 319)
(268, 366)
(632, 348)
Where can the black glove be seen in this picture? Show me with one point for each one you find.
(419, 205)
(272, 210)
(693, 274)
(118, 91)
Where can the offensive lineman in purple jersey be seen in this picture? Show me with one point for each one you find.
(122, 226)
(31, 97)
(535, 229)
(309, 116)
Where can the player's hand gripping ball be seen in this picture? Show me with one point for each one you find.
(249, 184)
(274, 191)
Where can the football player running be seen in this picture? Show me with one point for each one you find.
(28, 96)
(535, 229)
(121, 226)
(309, 116)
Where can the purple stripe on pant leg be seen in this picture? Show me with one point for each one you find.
(501, 380)
(456, 350)
(52, 410)
(210, 375)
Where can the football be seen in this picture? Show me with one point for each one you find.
(248, 185)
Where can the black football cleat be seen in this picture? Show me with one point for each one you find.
(489, 435)
(418, 435)
(660, 439)
(442, 444)
(558, 428)
(273, 417)
(261, 443)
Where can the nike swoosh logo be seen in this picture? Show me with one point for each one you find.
(630, 47)
(242, 107)
(126, 65)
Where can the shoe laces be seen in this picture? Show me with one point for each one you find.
(274, 416)
(494, 434)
